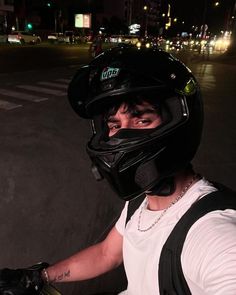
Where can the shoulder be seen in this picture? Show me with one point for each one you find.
(210, 242)
(217, 223)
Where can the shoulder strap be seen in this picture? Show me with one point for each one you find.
(170, 274)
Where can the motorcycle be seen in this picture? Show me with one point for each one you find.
(50, 290)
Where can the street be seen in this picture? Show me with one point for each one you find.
(50, 204)
(18, 58)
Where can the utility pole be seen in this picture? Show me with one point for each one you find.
(145, 8)
(203, 26)
(130, 12)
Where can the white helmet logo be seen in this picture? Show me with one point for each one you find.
(109, 73)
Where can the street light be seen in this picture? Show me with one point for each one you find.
(167, 25)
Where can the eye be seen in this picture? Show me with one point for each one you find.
(143, 122)
(113, 126)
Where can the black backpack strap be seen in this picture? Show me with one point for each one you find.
(170, 274)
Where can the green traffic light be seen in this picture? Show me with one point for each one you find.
(48, 4)
(30, 26)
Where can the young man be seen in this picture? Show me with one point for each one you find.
(146, 112)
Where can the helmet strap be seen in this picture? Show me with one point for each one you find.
(164, 188)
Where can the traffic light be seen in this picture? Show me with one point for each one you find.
(29, 26)
(49, 4)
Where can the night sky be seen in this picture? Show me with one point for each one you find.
(195, 12)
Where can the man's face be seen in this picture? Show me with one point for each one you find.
(143, 116)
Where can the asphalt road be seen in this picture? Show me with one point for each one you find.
(18, 58)
(50, 204)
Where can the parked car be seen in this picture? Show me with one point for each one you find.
(72, 37)
(56, 38)
(69, 37)
(23, 37)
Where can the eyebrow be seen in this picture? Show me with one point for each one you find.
(135, 113)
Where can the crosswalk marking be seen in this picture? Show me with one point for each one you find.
(37, 92)
(43, 90)
(63, 86)
(23, 96)
(6, 105)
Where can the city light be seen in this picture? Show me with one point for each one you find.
(159, 20)
(29, 26)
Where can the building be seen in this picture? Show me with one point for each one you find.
(146, 13)
(6, 14)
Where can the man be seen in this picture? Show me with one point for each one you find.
(146, 112)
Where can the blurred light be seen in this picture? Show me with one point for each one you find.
(145, 7)
(134, 28)
(175, 19)
(217, 3)
(29, 26)
(212, 42)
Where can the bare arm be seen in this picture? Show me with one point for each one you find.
(90, 262)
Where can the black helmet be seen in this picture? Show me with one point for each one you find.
(134, 161)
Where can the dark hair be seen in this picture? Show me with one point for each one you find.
(131, 106)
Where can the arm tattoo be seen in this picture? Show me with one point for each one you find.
(62, 276)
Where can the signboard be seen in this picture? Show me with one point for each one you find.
(83, 20)
(135, 28)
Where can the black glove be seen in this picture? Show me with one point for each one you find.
(24, 281)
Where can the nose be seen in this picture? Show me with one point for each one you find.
(126, 121)
(126, 125)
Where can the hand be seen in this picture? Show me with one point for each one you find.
(25, 281)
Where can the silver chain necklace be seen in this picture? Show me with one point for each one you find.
(195, 176)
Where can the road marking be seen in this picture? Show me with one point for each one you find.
(64, 80)
(6, 105)
(43, 90)
(23, 96)
(63, 86)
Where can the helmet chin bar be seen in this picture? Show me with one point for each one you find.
(164, 188)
